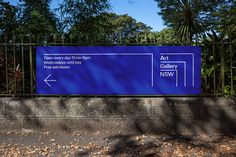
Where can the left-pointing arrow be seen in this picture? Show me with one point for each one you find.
(47, 80)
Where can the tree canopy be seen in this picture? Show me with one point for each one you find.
(225, 17)
(75, 11)
(36, 20)
(189, 17)
(109, 26)
(8, 19)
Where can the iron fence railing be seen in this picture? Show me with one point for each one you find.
(17, 63)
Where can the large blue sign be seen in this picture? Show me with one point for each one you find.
(126, 70)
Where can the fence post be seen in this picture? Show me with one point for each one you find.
(23, 65)
(231, 70)
(54, 38)
(63, 38)
(6, 64)
(71, 38)
(31, 68)
(137, 38)
(222, 67)
(46, 39)
(128, 38)
(146, 38)
(87, 38)
(154, 37)
(112, 38)
(14, 60)
(214, 65)
(205, 67)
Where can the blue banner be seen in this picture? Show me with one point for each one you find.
(118, 70)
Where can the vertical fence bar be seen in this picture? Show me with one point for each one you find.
(87, 38)
(231, 70)
(124, 40)
(196, 41)
(62, 39)
(37, 38)
(137, 36)
(146, 38)
(71, 40)
(46, 39)
(6, 64)
(31, 68)
(54, 38)
(14, 61)
(127, 40)
(96, 39)
(112, 38)
(23, 65)
(162, 39)
(214, 65)
(222, 67)
(154, 35)
(205, 67)
(78, 38)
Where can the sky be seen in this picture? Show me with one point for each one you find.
(145, 11)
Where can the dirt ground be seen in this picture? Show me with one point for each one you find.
(28, 143)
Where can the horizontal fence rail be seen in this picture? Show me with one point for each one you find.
(18, 61)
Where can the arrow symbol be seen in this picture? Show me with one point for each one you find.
(46, 80)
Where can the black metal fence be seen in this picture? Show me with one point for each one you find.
(17, 61)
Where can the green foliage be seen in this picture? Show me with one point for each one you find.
(36, 25)
(109, 27)
(127, 28)
(36, 20)
(76, 11)
(217, 59)
(94, 28)
(187, 17)
(8, 19)
(216, 37)
(226, 16)
(167, 36)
